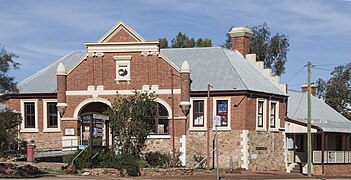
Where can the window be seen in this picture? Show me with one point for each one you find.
(272, 119)
(260, 111)
(29, 115)
(222, 111)
(52, 115)
(274, 115)
(198, 113)
(122, 68)
(159, 124)
(261, 114)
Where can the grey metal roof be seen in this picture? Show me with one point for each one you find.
(323, 115)
(44, 81)
(224, 69)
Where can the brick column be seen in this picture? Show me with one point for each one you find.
(185, 88)
(61, 75)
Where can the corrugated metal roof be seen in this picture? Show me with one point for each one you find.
(224, 69)
(44, 81)
(323, 115)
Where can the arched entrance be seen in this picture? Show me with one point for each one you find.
(100, 129)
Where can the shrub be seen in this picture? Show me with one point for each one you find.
(157, 159)
(129, 163)
(104, 159)
(198, 158)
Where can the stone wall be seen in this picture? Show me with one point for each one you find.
(229, 148)
(266, 151)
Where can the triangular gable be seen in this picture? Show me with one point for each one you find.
(121, 32)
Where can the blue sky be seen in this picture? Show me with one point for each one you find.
(42, 31)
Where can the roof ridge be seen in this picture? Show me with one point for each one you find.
(46, 68)
(241, 80)
(216, 47)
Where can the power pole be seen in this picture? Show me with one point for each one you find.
(208, 125)
(309, 144)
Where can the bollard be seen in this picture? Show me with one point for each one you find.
(30, 151)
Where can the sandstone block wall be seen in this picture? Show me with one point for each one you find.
(266, 151)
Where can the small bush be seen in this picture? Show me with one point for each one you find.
(104, 159)
(198, 158)
(129, 163)
(158, 159)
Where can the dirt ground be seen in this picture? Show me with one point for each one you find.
(243, 175)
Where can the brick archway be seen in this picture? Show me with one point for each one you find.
(84, 103)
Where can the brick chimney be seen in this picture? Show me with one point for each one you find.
(241, 39)
(304, 88)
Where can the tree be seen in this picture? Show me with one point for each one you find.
(337, 90)
(130, 120)
(8, 132)
(7, 83)
(8, 119)
(183, 41)
(272, 50)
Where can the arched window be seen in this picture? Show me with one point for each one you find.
(160, 122)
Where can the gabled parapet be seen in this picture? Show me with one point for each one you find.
(266, 71)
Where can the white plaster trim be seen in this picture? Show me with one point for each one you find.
(197, 129)
(45, 117)
(69, 119)
(102, 92)
(151, 46)
(179, 118)
(245, 149)
(182, 150)
(119, 26)
(87, 101)
(35, 129)
(215, 99)
(122, 61)
(277, 124)
(151, 136)
(191, 127)
(167, 106)
(264, 128)
(169, 62)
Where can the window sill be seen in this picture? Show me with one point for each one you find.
(198, 129)
(159, 136)
(29, 130)
(260, 129)
(53, 130)
(222, 129)
(274, 129)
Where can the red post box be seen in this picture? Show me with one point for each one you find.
(30, 151)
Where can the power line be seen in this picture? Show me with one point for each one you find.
(323, 69)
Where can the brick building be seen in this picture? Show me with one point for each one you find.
(250, 102)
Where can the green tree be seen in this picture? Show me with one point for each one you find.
(8, 119)
(272, 50)
(8, 132)
(183, 41)
(163, 43)
(337, 90)
(130, 120)
(7, 83)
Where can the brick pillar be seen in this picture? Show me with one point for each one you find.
(61, 75)
(241, 39)
(185, 87)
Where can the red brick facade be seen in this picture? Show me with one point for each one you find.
(94, 78)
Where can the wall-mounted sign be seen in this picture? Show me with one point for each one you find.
(261, 148)
(100, 116)
(69, 131)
